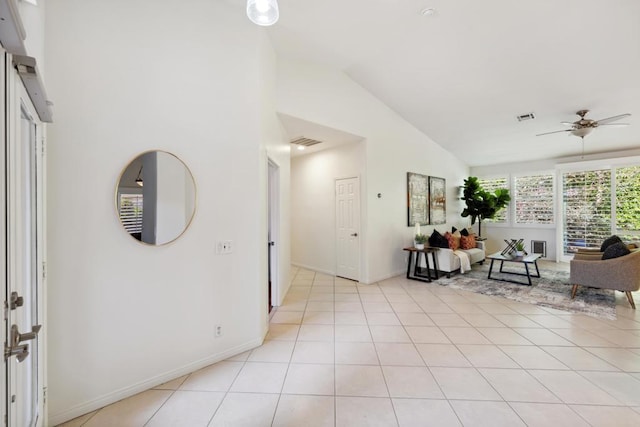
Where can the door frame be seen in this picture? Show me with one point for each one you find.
(273, 230)
(16, 98)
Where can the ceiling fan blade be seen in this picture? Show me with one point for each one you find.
(555, 131)
(612, 119)
(567, 123)
(613, 124)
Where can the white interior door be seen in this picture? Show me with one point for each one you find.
(273, 233)
(348, 228)
(24, 259)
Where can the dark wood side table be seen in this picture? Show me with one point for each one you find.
(414, 260)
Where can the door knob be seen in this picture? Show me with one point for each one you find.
(354, 235)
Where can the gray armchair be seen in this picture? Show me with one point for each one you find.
(620, 274)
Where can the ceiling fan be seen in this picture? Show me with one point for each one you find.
(584, 127)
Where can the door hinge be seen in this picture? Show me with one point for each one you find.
(44, 269)
(43, 146)
(44, 395)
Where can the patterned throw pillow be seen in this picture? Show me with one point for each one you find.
(608, 242)
(468, 242)
(616, 250)
(454, 243)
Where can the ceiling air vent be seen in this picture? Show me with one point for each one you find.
(305, 142)
(523, 117)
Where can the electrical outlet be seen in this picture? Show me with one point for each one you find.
(218, 330)
(229, 246)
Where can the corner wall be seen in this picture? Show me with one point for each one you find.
(127, 77)
(393, 148)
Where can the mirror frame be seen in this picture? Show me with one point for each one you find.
(195, 197)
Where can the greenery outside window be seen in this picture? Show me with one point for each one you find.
(627, 203)
(533, 199)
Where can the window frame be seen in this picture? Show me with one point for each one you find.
(586, 166)
(512, 205)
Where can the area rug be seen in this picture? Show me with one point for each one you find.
(552, 289)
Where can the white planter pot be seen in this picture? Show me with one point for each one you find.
(419, 245)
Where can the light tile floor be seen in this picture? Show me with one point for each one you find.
(408, 353)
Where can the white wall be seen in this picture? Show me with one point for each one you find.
(274, 147)
(127, 77)
(495, 233)
(33, 18)
(393, 148)
(172, 198)
(313, 215)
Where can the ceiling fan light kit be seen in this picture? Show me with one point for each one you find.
(584, 126)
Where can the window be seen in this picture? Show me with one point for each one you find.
(627, 184)
(534, 199)
(491, 185)
(586, 199)
(131, 212)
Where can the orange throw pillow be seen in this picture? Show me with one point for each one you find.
(468, 242)
(454, 243)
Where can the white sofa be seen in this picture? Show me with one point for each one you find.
(448, 262)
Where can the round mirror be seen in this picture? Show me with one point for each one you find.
(156, 197)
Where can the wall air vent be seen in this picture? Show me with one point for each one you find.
(523, 117)
(305, 142)
(539, 247)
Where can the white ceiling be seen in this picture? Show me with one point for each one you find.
(328, 137)
(462, 75)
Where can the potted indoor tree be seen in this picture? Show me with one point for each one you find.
(482, 204)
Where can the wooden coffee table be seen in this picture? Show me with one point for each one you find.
(525, 260)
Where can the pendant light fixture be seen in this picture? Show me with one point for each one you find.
(263, 12)
(139, 178)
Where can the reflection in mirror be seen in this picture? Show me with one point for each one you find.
(156, 197)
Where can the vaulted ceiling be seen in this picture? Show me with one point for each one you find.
(463, 73)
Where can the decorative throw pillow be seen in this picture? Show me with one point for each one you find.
(616, 250)
(464, 232)
(468, 242)
(608, 242)
(437, 240)
(453, 230)
(453, 242)
(456, 235)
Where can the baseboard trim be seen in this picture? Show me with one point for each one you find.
(389, 276)
(129, 391)
(317, 270)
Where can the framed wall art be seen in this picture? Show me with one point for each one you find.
(417, 199)
(437, 200)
